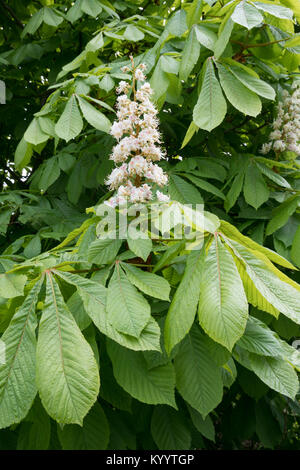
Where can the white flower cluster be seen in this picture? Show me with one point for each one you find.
(136, 131)
(286, 126)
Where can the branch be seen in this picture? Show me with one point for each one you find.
(12, 13)
(262, 44)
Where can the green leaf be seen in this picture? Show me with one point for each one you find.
(76, 307)
(91, 7)
(153, 386)
(211, 107)
(34, 247)
(239, 96)
(254, 84)
(171, 252)
(278, 179)
(223, 306)
(284, 296)
(94, 117)
(12, 285)
(223, 39)
(204, 426)
(75, 12)
(276, 373)
(110, 391)
(267, 427)
(206, 36)
(23, 154)
(183, 192)
(127, 309)
(17, 374)
(233, 233)
(35, 430)
(169, 430)
(256, 191)
(96, 43)
(149, 283)
(295, 250)
(177, 24)
(234, 191)
(183, 308)
(159, 81)
(93, 296)
(282, 213)
(34, 23)
(194, 13)
(107, 83)
(141, 247)
(190, 56)
(103, 250)
(34, 133)
(67, 372)
(92, 435)
(49, 174)
(275, 10)
(132, 33)
(205, 185)
(246, 15)
(198, 379)
(51, 18)
(189, 133)
(259, 339)
(70, 122)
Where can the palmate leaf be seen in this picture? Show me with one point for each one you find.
(169, 429)
(128, 310)
(17, 374)
(70, 122)
(198, 378)
(93, 296)
(234, 234)
(153, 386)
(237, 94)
(92, 435)
(67, 371)
(183, 308)
(223, 306)
(273, 286)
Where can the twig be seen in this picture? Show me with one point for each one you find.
(12, 13)
(262, 44)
